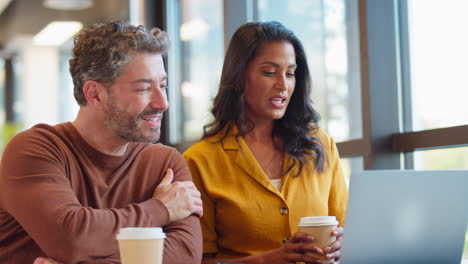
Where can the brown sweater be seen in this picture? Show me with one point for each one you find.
(61, 198)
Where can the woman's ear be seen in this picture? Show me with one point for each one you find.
(92, 91)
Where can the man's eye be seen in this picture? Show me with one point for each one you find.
(143, 89)
(163, 87)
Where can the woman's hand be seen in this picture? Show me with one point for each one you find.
(291, 252)
(333, 251)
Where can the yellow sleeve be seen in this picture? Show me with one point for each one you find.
(338, 199)
(199, 168)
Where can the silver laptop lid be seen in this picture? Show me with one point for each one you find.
(406, 217)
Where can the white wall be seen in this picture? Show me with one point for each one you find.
(39, 85)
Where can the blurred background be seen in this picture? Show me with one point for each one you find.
(389, 77)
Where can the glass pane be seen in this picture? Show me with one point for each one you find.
(350, 166)
(328, 30)
(69, 107)
(2, 91)
(202, 53)
(441, 159)
(8, 120)
(2, 105)
(465, 250)
(439, 62)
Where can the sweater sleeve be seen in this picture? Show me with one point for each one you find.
(36, 192)
(183, 243)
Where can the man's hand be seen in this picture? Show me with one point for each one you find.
(181, 197)
(45, 261)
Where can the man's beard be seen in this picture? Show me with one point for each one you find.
(128, 126)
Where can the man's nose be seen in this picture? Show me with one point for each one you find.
(159, 100)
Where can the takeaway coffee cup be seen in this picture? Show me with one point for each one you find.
(321, 228)
(142, 245)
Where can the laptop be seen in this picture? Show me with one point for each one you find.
(404, 217)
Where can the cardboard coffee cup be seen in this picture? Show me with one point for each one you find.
(142, 245)
(321, 228)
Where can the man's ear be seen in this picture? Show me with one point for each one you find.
(93, 90)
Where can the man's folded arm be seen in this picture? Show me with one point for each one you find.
(39, 196)
(183, 242)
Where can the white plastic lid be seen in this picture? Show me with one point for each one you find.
(318, 221)
(140, 233)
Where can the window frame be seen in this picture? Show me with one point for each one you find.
(384, 37)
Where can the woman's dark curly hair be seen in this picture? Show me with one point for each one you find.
(300, 118)
(102, 50)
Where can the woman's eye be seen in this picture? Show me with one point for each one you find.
(289, 74)
(268, 73)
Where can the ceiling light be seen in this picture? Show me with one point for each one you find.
(4, 4)
(193, 29)
(56, 33)
(68, 4)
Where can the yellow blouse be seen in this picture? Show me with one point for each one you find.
(243, 213)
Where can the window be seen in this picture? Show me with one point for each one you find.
(199, 50)
(2, 91)
(328, 32)
(465, 250)
(439, 62)
(442, 159)
(67, 104)
(2, 100)
(434, 84)
(351, 165)
(9, 112)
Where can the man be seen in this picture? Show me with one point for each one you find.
(65, 190)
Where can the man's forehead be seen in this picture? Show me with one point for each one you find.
(144, 66)
(149, 80)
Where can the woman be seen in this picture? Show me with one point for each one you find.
(263, 162)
